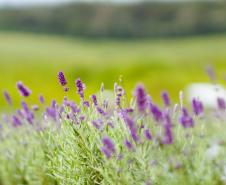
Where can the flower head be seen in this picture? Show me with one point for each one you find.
(141, 97)
(147, 134)
(165, 98)
(197, 107)
(156, 112)
(7, 97)
(62, 79)
(185, 119)
(80, 88)
(221, 103)
(24, 91)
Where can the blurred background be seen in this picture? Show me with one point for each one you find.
(164, 44)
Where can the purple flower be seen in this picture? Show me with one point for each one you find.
(100, 111)
(97, 124)
(7, 97)
(74, 107)
(128, 144)
(94, 99)
(80, 87)
(28, 115)
(35, 107)
(168, 135)
(221, 103)
(165, 98)
(16, 121)
(51, 112)
(41, 99)
(197, 107)
(24, 91)
(147, 134)
(156, 112)
(108, 144)
(186, 120)
(109, 147)
(62, 79)
(86, 103)
(119, 91)
(131, 125)
(141, 98)
(128, 110)
(106, 152)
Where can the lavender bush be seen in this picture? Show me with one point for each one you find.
(111, 141)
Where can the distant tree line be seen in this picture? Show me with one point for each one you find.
(119, 20)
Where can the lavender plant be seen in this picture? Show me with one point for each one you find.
(111, 141)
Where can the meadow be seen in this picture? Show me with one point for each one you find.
(159, 63)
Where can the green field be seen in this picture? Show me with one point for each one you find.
(161, 64)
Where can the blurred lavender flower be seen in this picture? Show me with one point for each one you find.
(141, 97)
(24, 91)
(119, 91)
(128, 144)
(106, 152)
(109, 148)
(168, 136)
(86, 103)
(186, 120)
(108, 144)
(97, 124)
(7, 97)
(197, 107)
(131, 125)
(156, 112)
(28, 115)
(16, 121)
(41, 99)
(221, 103)
(51, 112)
(80, 88)
(94, 99)
(147, 134)
(101, 111)
(35, 107)
(165, 98)
(62, 79)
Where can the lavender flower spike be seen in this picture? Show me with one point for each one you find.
(108, 144)
(94, 99)
(41, 99)
(141, 98)
(197, 107)
(186, 120)
(147, 134)
(168, 137)
(80, 87)
(166, 99)
(62, 79)
(24, 91)
(221, 103)
(132, 127)
(7, 97)
(128, 144)
(16, 121)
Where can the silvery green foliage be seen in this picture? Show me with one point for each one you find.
(108, 144)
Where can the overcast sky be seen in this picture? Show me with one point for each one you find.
(33, 2)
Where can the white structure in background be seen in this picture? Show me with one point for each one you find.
(206, 92)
